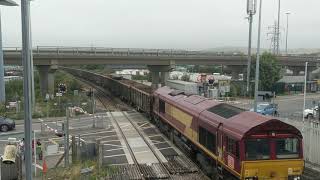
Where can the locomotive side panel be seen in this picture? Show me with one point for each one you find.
(185, 122)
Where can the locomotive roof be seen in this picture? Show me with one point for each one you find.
(236, 122)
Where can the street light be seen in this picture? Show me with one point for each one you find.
(27, 84)
(251, 10)
(256, 86)
(2, 83)
(304, 91)
(287, 13)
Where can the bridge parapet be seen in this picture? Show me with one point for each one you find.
(100, 55)
(63, 50)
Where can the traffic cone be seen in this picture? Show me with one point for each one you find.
(44, 167)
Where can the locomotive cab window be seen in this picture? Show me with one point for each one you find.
(257, 149)
(287, 148)
(207, 139)
(233, 147)
(162, 106)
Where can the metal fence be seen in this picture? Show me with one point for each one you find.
(311, 138)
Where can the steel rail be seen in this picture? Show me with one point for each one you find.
(148, 144)
(100, 95)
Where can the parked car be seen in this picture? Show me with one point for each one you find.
(310, 113)
(267, 109)
(6, 124)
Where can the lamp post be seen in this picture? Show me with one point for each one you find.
(256, 86)
(27, 84)
(2, 83)
(304, 91)
(251, 10)
(287, 13)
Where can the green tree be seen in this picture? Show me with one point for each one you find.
(185, 77)
(205, 69)
(71, 83)
(14, 90)
(270, 71)
(2, 109)
(92, 67)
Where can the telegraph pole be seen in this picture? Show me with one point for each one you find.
(66, 138)
(256, 86)
(305, 92)
(287, 13)
(251, 10)
(27, 84)
(2, 83)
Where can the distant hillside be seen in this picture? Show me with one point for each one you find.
(244, 50)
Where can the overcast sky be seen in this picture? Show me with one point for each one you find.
(191, 24)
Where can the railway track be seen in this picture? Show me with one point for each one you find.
(110, 103)
(155, 170)
(163, 167)
(310, 174)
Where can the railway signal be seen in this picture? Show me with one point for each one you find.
(62, 88)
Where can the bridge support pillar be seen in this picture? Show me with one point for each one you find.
(235, 71)
(296, 70)
(164, 78)
(164, 69)
(46, 74)
(155, 79)
(311, 72)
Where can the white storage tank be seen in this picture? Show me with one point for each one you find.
(188, 87)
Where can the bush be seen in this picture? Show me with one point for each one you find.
(64, 78)
(2, 109)
(14, 90)
(185, 77)
(139, 77)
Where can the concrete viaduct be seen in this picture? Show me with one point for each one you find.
(159, 61)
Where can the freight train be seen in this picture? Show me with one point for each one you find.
(227, 142)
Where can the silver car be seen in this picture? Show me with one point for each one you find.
(6, 124)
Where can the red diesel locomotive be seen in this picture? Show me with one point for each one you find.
(228, 141)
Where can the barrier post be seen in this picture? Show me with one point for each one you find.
(74, 149)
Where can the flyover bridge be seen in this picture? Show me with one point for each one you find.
(46, 55)
(159, 61)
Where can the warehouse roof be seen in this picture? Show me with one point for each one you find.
(292, 79)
